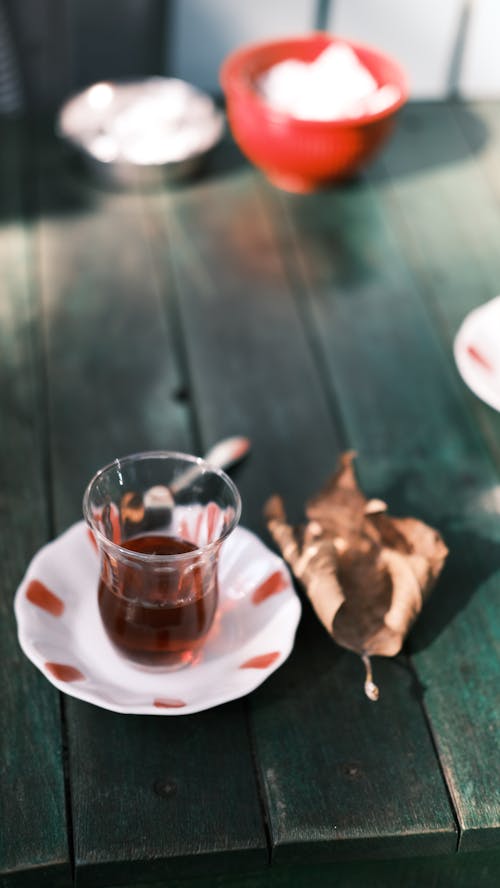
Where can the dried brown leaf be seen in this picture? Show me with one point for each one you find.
(365, 572)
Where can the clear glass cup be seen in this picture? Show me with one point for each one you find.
(159, 520)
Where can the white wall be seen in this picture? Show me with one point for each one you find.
(480, 72)
(420, 34)
(202, 32)
(446, 46)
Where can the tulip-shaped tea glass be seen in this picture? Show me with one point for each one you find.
(159, 520)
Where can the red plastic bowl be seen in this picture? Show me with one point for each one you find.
(303, 155)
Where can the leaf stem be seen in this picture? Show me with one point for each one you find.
(371, 689)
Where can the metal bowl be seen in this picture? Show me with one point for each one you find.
(148, 132)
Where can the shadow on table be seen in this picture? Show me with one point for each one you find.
(473, 553)
(403, 154)
(430, 135)
(39, 174)
(402, 150)
(472, 561)
(31, 154)
(30, 148)
(226, 158)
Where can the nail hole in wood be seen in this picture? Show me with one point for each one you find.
(181, 394)
(165, 788)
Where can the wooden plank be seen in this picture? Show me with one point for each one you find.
(460, 871)
(32, 801)
(341, 777)
(172, 797)
(150, 796)
(447, 223)
(446, 216)
(237, 317)
(420, 452)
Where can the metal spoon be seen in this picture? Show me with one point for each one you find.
(158, 502)
(222, 455)
(227, 452)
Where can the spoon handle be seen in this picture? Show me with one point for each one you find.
(222, 455)
(227, 452)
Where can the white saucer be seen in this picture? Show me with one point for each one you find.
(477, 352)
(60, 630)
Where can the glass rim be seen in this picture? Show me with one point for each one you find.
(143, 455)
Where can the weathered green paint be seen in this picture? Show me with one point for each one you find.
(32, 803)
(452, 251)
(310, 324)
(419, 447)
(455, 871)
(439, 181)
(341, 778)
(113, 381)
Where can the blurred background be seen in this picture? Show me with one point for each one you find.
(51, 48)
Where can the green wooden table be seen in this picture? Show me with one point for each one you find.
(169, 320)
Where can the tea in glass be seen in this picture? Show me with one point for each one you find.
(159, 520)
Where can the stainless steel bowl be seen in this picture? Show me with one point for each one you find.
(146, 132)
